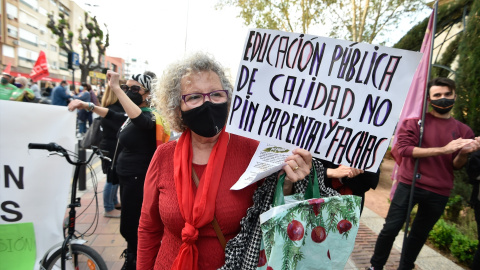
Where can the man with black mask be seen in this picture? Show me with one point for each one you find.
(445, 147)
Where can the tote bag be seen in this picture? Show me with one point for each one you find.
(93, 135)
(303, 231)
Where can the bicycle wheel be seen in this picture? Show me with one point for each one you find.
(82, 258)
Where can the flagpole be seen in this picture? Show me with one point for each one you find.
(422, 124)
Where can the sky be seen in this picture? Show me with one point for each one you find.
(163, 31)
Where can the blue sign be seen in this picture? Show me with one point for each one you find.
(73, 60)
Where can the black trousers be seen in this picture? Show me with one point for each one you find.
(131, 194)
(430, 208)
(476, 258)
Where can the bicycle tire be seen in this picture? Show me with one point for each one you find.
(85, 257)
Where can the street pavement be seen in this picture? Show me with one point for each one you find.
(110, 244)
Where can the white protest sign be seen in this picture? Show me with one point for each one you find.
(338, 99)
(34, 187)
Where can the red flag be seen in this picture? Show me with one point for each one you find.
(40, 69)
(7, 69)
(414, 103)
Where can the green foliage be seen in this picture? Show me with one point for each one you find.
(442, 234)
(467, 107)
(350, 20)
(463, 248)
(455, 204)
(447, 59)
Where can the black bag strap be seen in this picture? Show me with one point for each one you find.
(114, 155)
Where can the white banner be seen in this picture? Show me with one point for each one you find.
(34, 188)
(338, 99)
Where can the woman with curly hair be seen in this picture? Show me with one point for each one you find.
(187, 188)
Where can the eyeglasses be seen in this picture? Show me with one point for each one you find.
(133, 88)
(197, 99)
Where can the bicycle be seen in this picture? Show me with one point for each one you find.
(72, 250)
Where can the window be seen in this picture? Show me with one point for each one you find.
(42, 11)
(42, 44)
(12, 11)
(12, 31)
(53, 2)
(27, 54)
(53, 48)
(42, 29)
(29, 20)
(28, 36)
(32, 3)
(53, 65)
(8, 51)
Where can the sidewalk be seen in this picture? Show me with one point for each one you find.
(110, 244)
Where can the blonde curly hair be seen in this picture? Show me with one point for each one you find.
(167, 91)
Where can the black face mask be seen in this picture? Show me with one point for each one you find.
(207, 120)
(443, 105)
(135, 97)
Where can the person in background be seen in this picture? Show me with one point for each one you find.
(6, 88)
(93, 99)
(23, 93)
(110, 128)
(60, 95)
(138, 136)
(82, 114)
(35, 89)
(48, 89)
(350, 181)
(175, 229)
(446, 145)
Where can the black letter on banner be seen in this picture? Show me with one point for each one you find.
(283, 51)
(266, 115)
(375, 152)
(289, 88)
(343, 144)
(270, 48)
(273, 121)
(351, 69)
(334, 139)
(271, 86)
(370, 106)
(335, 57)
(309, 43)
(18, 215)
(344, 63)
(357, 79)
(237, 102)
(374, 77)
(249, 45)
(283, 122)
(292, 126)
(317, 59)
(18, 181)
(314, 104)
(336, 89)
(348, 92)
(241, 84)
(259, 45)
(389, 72)
(252, 112)
(387, 113)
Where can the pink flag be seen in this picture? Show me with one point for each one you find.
(40, 69)
(414, 103)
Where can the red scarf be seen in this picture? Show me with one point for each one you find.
(197, 211)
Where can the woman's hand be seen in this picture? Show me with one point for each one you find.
(113, 78)
(77, 104)
(297, 168)
(343, 171)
